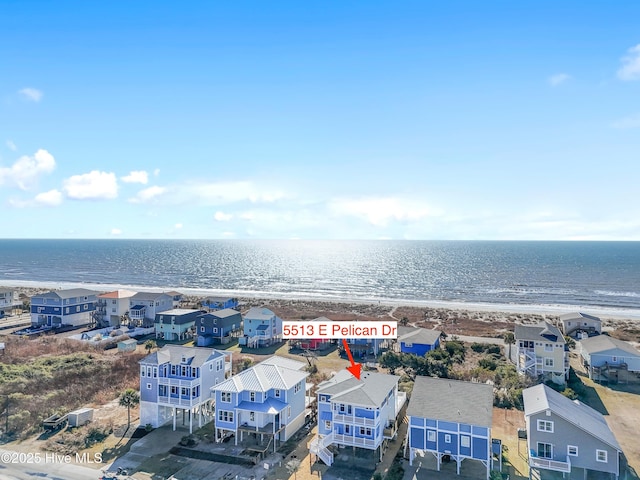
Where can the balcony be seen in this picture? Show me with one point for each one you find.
(182, 402)
(549, 464)
(178, 382)
(349, 440)
(353, 420)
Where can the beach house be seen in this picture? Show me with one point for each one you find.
(263, 405)
(357, 413)
(63, 307)
(144, 306)
(314, 343)
(567, 436)
(363, 347)
(176, 382)
(450, 418)
(8, 301)
(175, 324)
(609, 359)
(218, 326)
(112, 307)
(540, 351)
(176, 298)
(417, 341)
(219, 303)
(578, 324)
(261, 327)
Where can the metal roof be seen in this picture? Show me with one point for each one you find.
(603, 343)
(452, 401)
(284, 362)
(227, 312)
(262, 378)
(370, 390)
(541, 398)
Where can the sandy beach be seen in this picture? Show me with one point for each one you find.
(489, 320)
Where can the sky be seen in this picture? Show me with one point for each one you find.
(337, 119)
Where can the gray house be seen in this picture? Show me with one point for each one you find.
(218, 326)
(609, 359)
(577, 323)
(567, 436)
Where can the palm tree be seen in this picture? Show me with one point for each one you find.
(129, 398)
(509, 339)
(150, 345)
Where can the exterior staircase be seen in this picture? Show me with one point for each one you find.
(319, 447)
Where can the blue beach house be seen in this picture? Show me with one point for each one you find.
(361, 347)
(218, 326)
(219, 303)
(177, 380)
(357, 413)
(450, 418)
(63, 307)
(265, 404)
(417, 341)
(262, 328)
(175, 324)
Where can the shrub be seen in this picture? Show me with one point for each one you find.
(488, 364)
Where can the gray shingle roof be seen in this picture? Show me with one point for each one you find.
(577, 316)
(196, 356)
(541, 332)
(259, 313)
(602, 343)
(420, 336)
(224, 313)
(146, 296)
(263, 377)
(70, 293)
(541, 398)
(452, 401)
(370, 390)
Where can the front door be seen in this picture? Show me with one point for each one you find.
(545, 450)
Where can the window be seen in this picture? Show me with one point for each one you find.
(184, 391)
(202, 329)
(431, 436)
(86, 307)
(252, 396)
(347, 429)
(277, 393)
(225, 397)
(614, 359)
(465, 441)
(447, 438)
(366, 431)
(66, 310)
(324, 398)
(545, 426)
(148, 371)
(148, 386)
(219, 365)
(296, 389)
(215, 330)
(173, 369)
(193, 372)
(78, 308)
(408, 345)
(601, 456)
(225, 416)
(545, 450)
(174, 390)
(548, 362)
(155, 372)
(143, 371)
(252, 416)
(548, 347)
(327, 425)
(572, 450)
(288, 412)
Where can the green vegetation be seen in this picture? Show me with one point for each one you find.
(436, 362)
(47, 376)
(129, 398)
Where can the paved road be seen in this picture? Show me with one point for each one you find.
(42, 468)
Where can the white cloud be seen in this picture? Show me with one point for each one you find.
(222, 217)
(222, 193)
(91, 186)
(136, 176)
(11, 146)
(558, 79)
(26, 170)
(116, 231)
(381, 211)
(630, 69)
(178, 226)
(51, 198)
(148, 194)
(632, 121)
(31, 94)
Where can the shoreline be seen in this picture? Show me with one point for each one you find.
(606, 313)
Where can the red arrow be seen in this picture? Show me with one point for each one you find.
(355, 367)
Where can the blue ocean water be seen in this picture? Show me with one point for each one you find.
(599, 274)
